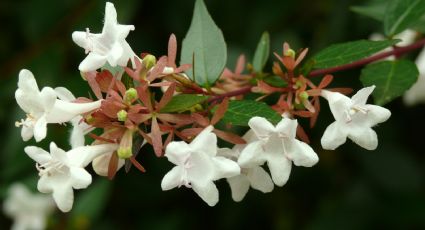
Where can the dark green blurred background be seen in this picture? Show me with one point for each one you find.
(350, 188)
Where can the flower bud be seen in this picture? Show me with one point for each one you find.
(303, 96)
(290, 53)
(122, 115)
(130, 95)
(126, 145)
(149, 61)
(124, 153)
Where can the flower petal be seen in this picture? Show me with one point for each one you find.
(64, 111)
(205, 142)
(80, 178)
(334, 136)
(338, 103)
(208, 192)
(287, 126)
(64, 94)
(38, 154)
(260, 179)
(302, 154)
(27, 82)
(252, 155)
(239, 186)
(27, 132)
(280, 168)
(377, 114)
(48, 98)
(115, 53)
(100, 164)
(261, 127)
(365, 137)
(83, 155)
(92, 62)
(225, 168)
(58, 153)
(40, 128)
(64, 197)
(80, 38)
(360, 98)
(172, 179)
(177, 152)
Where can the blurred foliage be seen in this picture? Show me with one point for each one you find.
(349, 188)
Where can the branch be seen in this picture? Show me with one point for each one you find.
(397, 51)
(240, 91)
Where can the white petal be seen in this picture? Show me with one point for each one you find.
(64, 111)
(115, 54)
(280, 168)
(239, 186)
(64, 94)
(30, 103)
(261, 127)
(110, 17)
(100, 164)
(58, 153)
(339, 104)
(80, 178)
(92, 62)
(45, 184)
(360, 98)
(177, 152)
(64, 197)
(260, 179)
(77, 133)
(225, 168)
(82, 156)
(365, 137)
(252, 155)
(201, 168)
(287, 126)
(27, 82)
(334, 136)
(80, 38)
(38, 154)
(302, 154)
(48, 97)
(377, 114)
(407, 37)
(172, 179)
(27, 132)
(208, 192)
(416, 94)
(40, 128)
(205, 142)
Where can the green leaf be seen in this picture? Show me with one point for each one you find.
(239, 112)
(183, 102)
(374, 9)
(401, 14)
(345, 53)
(205, 43)
(275, 81)
(262, 53)
(391, 78)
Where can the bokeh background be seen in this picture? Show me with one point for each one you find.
(350, 188)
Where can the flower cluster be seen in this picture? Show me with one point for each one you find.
(151, 101)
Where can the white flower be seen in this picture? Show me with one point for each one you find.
(197, 166)
(255, 177)
(353, 119)
(278, 147)
(28, 210)
(109, 46)
(60, 172)
(79, 127)
(43, 107)
(407, 37)
(416, 94)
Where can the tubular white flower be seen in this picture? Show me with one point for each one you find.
(44, 107)
(109, 46)
(407, 37)
(353, 119)
(416, 94)
(29, 211)
(197, 166)
(277, 146)
(255, 177)
(60, 172)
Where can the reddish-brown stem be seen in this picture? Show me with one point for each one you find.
(396, 51)
(240, 91)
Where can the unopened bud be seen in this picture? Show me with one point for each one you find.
(126, 145)
(130, 95)
(149, 61)
(303, 96)
(124, 153)
(122, 115)
(290, 53)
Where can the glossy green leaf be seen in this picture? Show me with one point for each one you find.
(239, 112)
(204, 42)
(262, 53)
(345, 53)
(391, 78)
(401, 14)
(183, 102)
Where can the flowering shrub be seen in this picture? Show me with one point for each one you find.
(182, 109)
